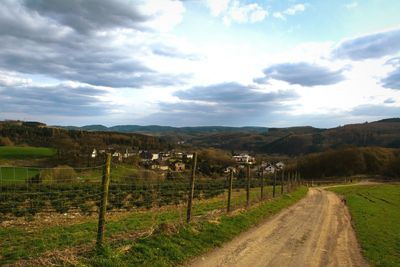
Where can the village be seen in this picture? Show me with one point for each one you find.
(179, 161)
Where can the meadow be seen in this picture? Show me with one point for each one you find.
(375, 211)
(15, 152)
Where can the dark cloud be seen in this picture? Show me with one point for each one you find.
(390, 101)
(371, 46)
(233, 93)
(55, 100)
(222, 104)
(59, 39)
(392, 80)
(89, 15)
(302, 73)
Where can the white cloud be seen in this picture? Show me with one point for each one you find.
(234, 11)
(279, 15)
(351, 5)
(217, 6)
(9, 79)
(293, 10)
(166, 14)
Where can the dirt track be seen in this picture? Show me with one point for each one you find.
(314, 232)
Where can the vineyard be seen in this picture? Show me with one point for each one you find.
(42, 215)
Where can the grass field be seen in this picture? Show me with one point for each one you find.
(14, 152)
(26, 242)
(375, 211)
(13, 175)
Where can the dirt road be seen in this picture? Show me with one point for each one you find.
(314, 232)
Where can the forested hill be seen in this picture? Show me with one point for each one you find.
(38, 134)
(291, 141)
(165, 130)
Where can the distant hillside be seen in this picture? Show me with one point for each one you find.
(289, 141)
(162, 130)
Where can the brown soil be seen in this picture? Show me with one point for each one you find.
(316, 231)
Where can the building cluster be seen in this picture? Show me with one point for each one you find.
(267, 167)
(272, 167)
(162, 161)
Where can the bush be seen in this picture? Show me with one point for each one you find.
(5, 141)
(59, 174)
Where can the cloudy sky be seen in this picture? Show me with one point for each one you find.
(190, 63)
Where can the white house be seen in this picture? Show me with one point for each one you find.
(280, 165)
(94, 153)
(270, 169)
(244, 159)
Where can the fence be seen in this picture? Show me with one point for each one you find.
(52, 209)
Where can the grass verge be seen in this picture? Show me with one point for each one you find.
(166, 249)
(375, 211)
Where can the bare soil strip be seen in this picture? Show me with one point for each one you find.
(316, 231)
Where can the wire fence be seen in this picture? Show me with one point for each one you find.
(56, 209)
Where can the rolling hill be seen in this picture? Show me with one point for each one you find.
(290, 141)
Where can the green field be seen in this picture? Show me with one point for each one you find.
(21, 243)
(16, 175)
(375, 211)
(14, 152)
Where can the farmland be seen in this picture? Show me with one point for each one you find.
(13, 152)
(35, 238)
(375, 211)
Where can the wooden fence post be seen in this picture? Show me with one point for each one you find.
(262, 183)
(274, 184)
(105, 183)
(282, 178)
(191, 193)
(228, 208)
(248, 186)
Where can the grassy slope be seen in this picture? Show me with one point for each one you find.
(197, 238)
(375, 211)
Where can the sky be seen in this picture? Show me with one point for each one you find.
(273, 63)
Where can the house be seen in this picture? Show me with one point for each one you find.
(280, 165)
(117, 155)
(155, 156)
(154, 166)
(94, 153)
(189, 156)
(163, 168)
(244, 159)
(270, 169)
(129, 153)
(164, 156)
(179, 166)
(229, 169)
(178, 155)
